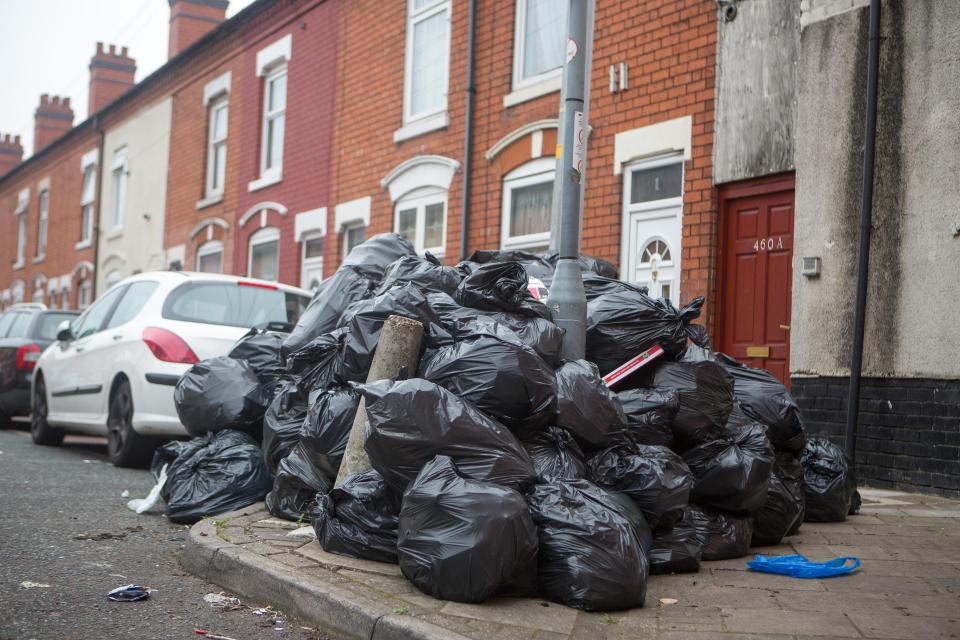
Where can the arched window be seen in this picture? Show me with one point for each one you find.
(210, 257)
(421, 217)
(264, 257)
(527, 203)
(83, 294)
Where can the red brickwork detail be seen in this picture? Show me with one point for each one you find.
(190, 21)
(52, 119)
(111, 75)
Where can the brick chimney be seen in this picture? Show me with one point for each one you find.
(52, 119)
(111, 74)
(190, 20)
(11, 152)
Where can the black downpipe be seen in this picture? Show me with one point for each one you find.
(468, 132)
(866, 207)
(95, 235)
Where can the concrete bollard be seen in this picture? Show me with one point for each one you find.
(398, 347)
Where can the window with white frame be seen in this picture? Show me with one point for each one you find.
(264, 260)
(421, 218)
(274, 116)
(311, 267)
(86, 203)
(42, 223)
(83, 294)
(353, 234)
(65, 298)
(540, 30)
(210, 257)
(527, 203)
(217, 146)
(427, 59)
(119, 189)
(21, 237)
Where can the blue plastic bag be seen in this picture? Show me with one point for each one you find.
(798, 566)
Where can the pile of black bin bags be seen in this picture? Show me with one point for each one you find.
(499, 469)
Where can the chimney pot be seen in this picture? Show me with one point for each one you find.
(99, 47)
(16, 139)
(66, 102)
(44, 98)
(123, 52)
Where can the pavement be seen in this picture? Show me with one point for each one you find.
(67, 538)
(908, 587)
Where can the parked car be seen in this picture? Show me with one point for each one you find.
(113, 370)
(25, 331)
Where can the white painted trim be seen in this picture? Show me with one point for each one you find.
(273, 54)
(43, 185)
(520, 25)
(88, 159)
(83, 244)
(313, 221)
(210, 200)
(116, 256)
(208, 222)
(353, 211)
(423, 125)
(531, 91)
(177, 253)
(538, 171)
(257, 208)
(418, 200)
(420, 171)
(414, 16)
(518, 133)
(669, 136)
(216, 87)
(263, 236)
(272, 176)
(23, 201)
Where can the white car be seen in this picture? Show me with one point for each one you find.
(113, 369)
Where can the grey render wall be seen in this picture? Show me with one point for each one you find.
(913, 306)
(756, 96)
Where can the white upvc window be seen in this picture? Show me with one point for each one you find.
(23, 201)
(426, 70)
(421, 218)
(42, 223)
(119, 189)
(538, 44)
(217, 146)
(210, 257)
(86, 204)
(83, 294)
(527, 205)
(353, 234)
(274, 117)
(264, 259)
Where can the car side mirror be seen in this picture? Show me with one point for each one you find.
(64, 332)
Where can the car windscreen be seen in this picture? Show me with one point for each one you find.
(49, 322)
(233, 304)
(21, 326)
(5, 321)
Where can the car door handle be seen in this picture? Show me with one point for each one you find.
(118, 336)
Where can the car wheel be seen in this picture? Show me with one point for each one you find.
(126, 447)
(40, 431)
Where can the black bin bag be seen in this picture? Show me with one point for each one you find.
(500, 286)
(261, 350)
(327, 427)
(724, 536)
(213, 474)
(678, 549)
(411, 421)
(731, 473)
(221, 393)
(593, 546)
(295, 486)
(705, 394)
(655, 478)
(316, 365)
(427, 273)
(782, 513)
(534, 264)
(623, 324)
(359, 518)
(556, 455)
(373, 257)
(499, 375)
(586, 406)
(649, 413)
(282, 422)
(596, 285)
(830, 488)
(465, 540)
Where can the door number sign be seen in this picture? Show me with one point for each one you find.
(768, 244)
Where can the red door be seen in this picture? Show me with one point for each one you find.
(756, 250)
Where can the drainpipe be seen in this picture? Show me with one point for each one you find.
(468, 132)
(95, 236)
(866, 207)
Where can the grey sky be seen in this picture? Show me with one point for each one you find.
(46, 45)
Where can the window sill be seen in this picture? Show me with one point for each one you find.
(18, 265)
(265, 180)
(83, 244)
(209, 201)
(115, 233)
(39, 259)
(419, 127)
(524, 94)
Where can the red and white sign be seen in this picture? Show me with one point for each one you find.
(633, 365)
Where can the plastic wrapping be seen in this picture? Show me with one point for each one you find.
(327, 426)
(705, 393)
(221, 393)
(317, 363)
(411, 421)
(586, 406)
(556, 455)
(593, 546)
(295, 486)
(732, 472)
(464, 540)
(213, 474)
(655, 478)
(282, 422)
(359, 518)
(427, 273)
(676, 550)
(500, 286)
(830, 487)
(782, 513)
(724, 536)
(622, 324)
(649, 413)
(499, 375)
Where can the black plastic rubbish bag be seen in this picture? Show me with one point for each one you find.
(359, 518)
(588, 265)
(732, 472)
(724, 536)
(261, 350)
(317, 363)
(782, 513)
(623, 324)
(221, 393)
(535, 265)
(499, 375)
(465, 540)
(593, 546)
(829, 484)
(427, 273)
(676, 550)
(282, 422)
(295, 486)
(649, 413)
(500, 286)
(556, 455)
(586, 406)
(595, 286)
(705, 394)
(327, 426)
(411, 421)
(167, 453)
(214, 474)
(372, 257)
(655, 478)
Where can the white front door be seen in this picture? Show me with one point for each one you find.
(653, 210)
(311, 269)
